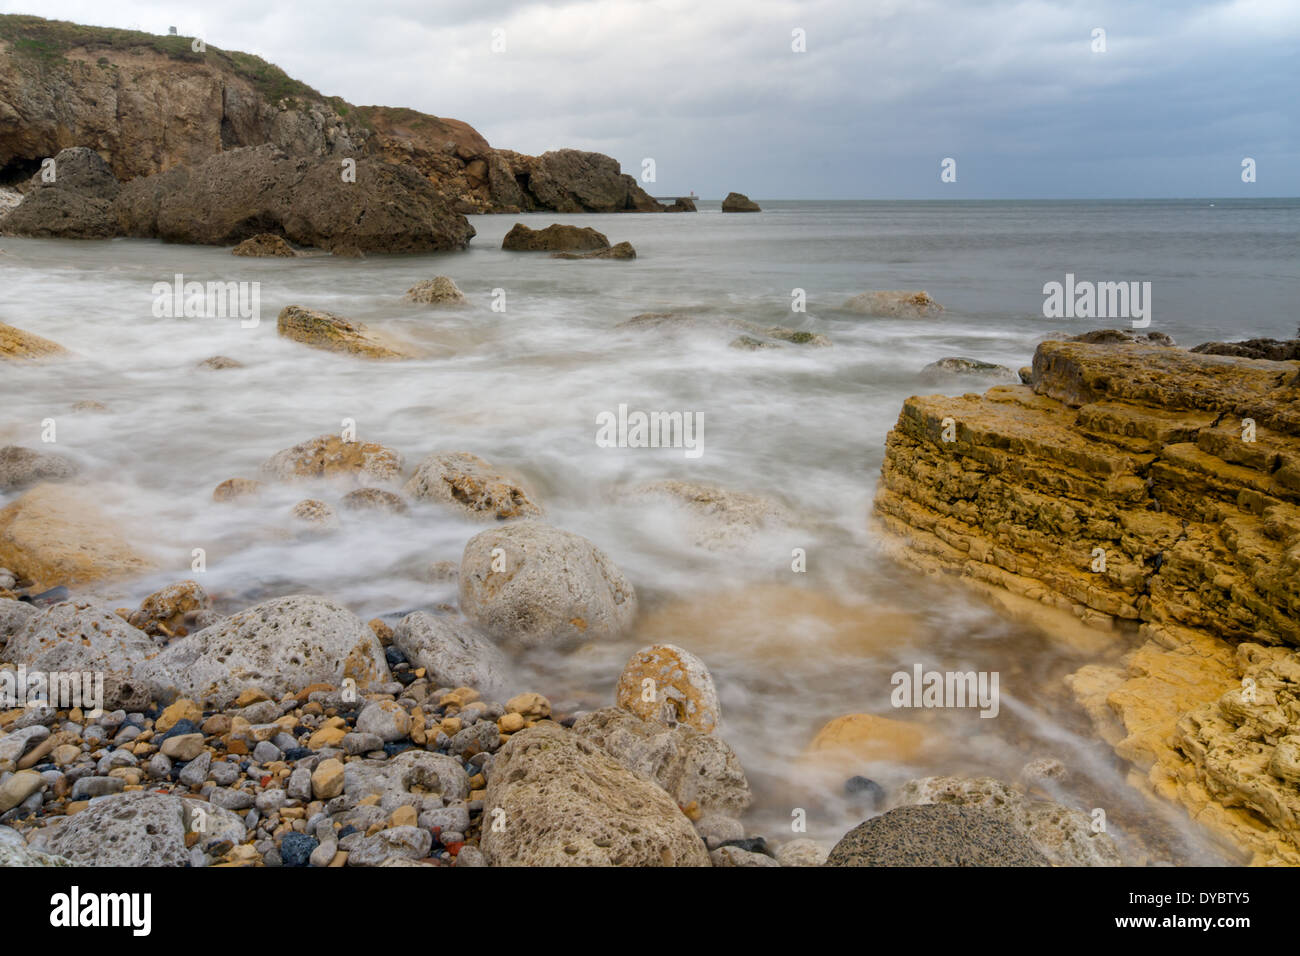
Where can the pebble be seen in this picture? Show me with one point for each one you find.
(296, 848)
(195, 773)
(89, 787)
(183, 746)
(327, 779)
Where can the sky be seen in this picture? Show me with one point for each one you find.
(1026, 98)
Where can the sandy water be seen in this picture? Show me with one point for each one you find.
(523, 387)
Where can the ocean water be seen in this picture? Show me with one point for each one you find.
(523, 388)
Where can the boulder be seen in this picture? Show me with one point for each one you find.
(571, 180)
(950, 368)
(282, 646)
(263, 245)
(55, 535)
(936, 835)
(241, 193)
(13, 615)
(1064, 836)
(898, 305)
(78, 638)
(22, 855)
(563, 801)
(1122, 337)
(671, 686)
(855, 739)
(333, 333)
(622, 250)
(718, 518)
(374, 499)
(693, 768)
(739, 202)
(440, 290)
(315, 516)
(20, 467)
(536, 585)
(142, 829)
(451, 651)
(76, 205)
(16, 344)
(1274, 350)
(554, 238)
(418, 778)
(472, 486)
(329, 456)
(233, 488)
(681, 204)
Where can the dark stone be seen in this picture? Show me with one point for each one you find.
(395, 748)
(1274, 350)
(296, 848)
(749, 844)
(865, 787)
(936, 835)
(394, 655)
(179, 729)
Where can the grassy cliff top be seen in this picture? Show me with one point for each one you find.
(50, 41)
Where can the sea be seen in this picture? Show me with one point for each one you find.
(522, 375)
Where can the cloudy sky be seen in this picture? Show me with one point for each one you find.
(715, 93)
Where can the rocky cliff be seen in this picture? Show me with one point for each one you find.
(149, 103)
(1155, 493)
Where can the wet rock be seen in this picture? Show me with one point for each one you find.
(1064, 836)
(739, 202)
(264, 244)
(76, 205)
(719, 518)
(282, 645)
(452, 652)
(219, 362)
(855, 739)
(233, 488)
(15, 344)
(80, 638)
(572, 180)
(949, 368)
(1274, 350)
(566, 802)
(374, 499)
(165, 612)
(55, 535)
(747, 343)
(20, 467)
(333, 333)
(902, 305)
(936, 835)
(692, 767)
(329, 456)
(681, 688)
(440, 290)
(554, 238)
(622, 250)
(536, 585)
(239, 193)
(472, 486)
(315, 514)
(1122, 337)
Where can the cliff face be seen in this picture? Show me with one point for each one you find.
(1127, 487)
(149, 103)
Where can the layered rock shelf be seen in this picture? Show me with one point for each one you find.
(1153, 493)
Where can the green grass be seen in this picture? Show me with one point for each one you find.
(48, 41)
